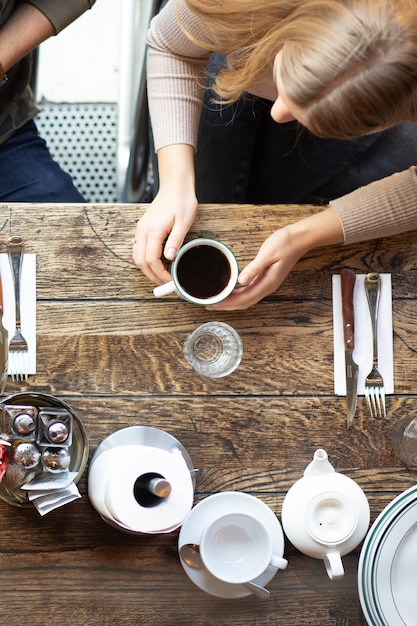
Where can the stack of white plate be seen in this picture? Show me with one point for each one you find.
(387, 572)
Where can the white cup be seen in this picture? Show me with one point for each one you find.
(204, 271)
(237, 548)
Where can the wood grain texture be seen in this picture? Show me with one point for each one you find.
(114, 353)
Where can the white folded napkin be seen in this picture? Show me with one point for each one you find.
(27, 303)
(50, 491)
(49, 502)
(362, 354)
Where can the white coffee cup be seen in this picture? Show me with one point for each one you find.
(204, 271)
(237, 548)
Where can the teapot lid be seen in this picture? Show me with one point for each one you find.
(331, 518)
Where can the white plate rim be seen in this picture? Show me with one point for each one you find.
(384, 561)
(372, 544)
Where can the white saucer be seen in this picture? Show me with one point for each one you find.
(209, 509)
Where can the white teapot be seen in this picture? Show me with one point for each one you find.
(325, 514)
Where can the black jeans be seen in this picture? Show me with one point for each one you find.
(28, 172)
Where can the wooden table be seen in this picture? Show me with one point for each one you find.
(113, 352)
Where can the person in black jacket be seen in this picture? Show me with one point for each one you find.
(27, 171)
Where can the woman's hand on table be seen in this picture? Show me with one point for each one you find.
(166, 220)
(162, 229)
(278, 255)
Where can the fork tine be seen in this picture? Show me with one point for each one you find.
(378, 401)
(370, 397)
(382, 398)
(22, 365)
(26, 366)
(11, 367)
(375, 397)
(18, 368)
(18, 365)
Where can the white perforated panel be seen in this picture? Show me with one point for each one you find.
(83, 139)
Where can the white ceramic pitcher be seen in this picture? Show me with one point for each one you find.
(325, 514)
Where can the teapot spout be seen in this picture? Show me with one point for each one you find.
(320, 464)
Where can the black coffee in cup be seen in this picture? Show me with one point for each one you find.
(203, 271)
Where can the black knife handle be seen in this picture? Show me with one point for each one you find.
(348, 278)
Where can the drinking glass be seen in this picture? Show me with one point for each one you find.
(404, 441)
(214, 349)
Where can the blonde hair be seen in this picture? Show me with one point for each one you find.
(351, 65)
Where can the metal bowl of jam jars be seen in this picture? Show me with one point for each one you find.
(45, 435)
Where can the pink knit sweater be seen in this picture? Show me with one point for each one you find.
(176, 70)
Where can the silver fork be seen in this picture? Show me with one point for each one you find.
(18, 347)
(374, 383)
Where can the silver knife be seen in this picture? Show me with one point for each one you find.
(348, 279)
(4, 346)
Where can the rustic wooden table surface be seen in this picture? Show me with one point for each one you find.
(113, 352)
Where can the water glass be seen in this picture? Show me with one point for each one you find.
(214, 349)
(404, 441)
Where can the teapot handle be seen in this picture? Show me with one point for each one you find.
(334, 565)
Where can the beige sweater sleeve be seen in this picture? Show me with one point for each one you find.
(383, 208)
(176, 75)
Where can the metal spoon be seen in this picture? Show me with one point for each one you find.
(190, 554)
